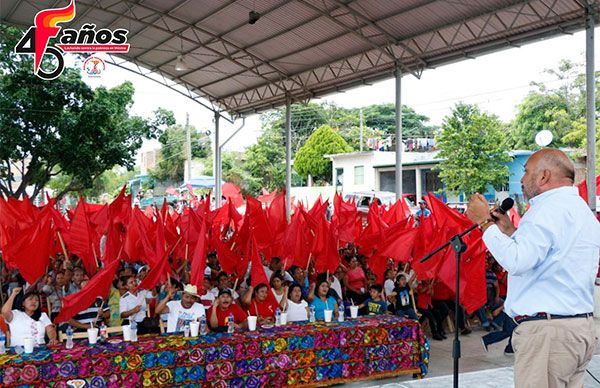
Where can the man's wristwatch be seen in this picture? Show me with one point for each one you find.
(484, 223)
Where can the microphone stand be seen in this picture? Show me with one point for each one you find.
(459, 246)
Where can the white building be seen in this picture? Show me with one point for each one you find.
(375, 171)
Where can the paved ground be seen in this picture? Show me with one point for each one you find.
(477, 368)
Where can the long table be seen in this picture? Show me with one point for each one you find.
(309, 354)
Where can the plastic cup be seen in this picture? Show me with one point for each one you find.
(251, 323)
(28, 345)
(126, 332)
(194, 328)
(328, 315)
(283, 318)
(354, 311)
(92, 335)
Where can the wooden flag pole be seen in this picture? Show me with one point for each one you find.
(62, 244)
(175, 246)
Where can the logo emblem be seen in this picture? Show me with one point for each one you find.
(85, 40)
(94, 66)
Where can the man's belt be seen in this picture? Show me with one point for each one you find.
(545, 316)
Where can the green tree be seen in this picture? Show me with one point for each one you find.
(265, 161)
(559, 109)
(62, 126)
(170, 164)
(383, 116)
(474, 149)
(310, 158)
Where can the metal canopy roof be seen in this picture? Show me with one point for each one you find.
(304, 48)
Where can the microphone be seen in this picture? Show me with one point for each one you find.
(504, 207)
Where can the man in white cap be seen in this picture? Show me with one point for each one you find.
(180, 311)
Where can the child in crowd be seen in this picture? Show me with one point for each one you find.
(375, 305)
(403, 306)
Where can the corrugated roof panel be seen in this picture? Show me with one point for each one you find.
(322, 51)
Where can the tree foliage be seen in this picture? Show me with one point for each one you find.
(265, 161)
(170, 164)
(474, 149)
(310, 158)
(561, 109)
(62, 126)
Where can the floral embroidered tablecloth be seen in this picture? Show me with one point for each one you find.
(294, 354)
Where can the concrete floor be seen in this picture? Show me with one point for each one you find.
(477, 368)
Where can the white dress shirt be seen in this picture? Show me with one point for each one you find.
(552, 258)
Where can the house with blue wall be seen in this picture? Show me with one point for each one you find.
(375, 171)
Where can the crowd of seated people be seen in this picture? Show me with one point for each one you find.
(30, 309)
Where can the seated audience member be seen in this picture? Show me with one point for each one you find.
(218, 315)
(508, 325)
(375, 304)
(180, 311)
(300, 278)
(132, 304)
(322, 300)
(277, 286)
(390, 282)
(355, 282)
(403, 306)
(223, 283)
(435, 317)
(207, 298)
(276, 265)
(27, 320)
(294, 305)
(98, 312)
(257, 303)
(54, 292)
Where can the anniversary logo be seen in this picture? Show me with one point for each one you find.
(36, 41)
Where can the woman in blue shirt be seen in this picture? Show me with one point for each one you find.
(322, 301)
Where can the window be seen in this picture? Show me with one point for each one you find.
(339, 179)
(359, 175)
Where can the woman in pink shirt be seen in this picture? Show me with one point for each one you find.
(355, 282)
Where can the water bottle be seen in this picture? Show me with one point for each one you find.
(341, 313)
(230, 323)
(103, 332)
(186, 329)
(278, 317)
(203, 328)
(69, 333)
(312, 316)
(2, 343)
(133, 328)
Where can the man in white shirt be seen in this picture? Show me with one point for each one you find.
(180, 311)
(552, 261)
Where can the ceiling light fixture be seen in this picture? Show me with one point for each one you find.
(181, 65)
(253, 17)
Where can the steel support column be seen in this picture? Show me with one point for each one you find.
(217, 172)
(590, 107)
(288, 159)
(399, 146)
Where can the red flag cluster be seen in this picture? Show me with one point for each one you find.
(102, 235)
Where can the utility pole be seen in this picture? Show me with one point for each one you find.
(188, 149)
(361, 130)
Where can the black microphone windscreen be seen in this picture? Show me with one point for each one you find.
(506, 205)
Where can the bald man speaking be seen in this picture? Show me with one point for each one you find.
(552, 261)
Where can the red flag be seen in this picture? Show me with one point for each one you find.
(81, 239)
(160, 265)
(325, 251)
(259, 226)
(84, 298)
(344, 219)
(198, 263)
(297, 242)
(399, 242)
(30, 250)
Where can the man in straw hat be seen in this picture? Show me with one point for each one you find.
(180, 311)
